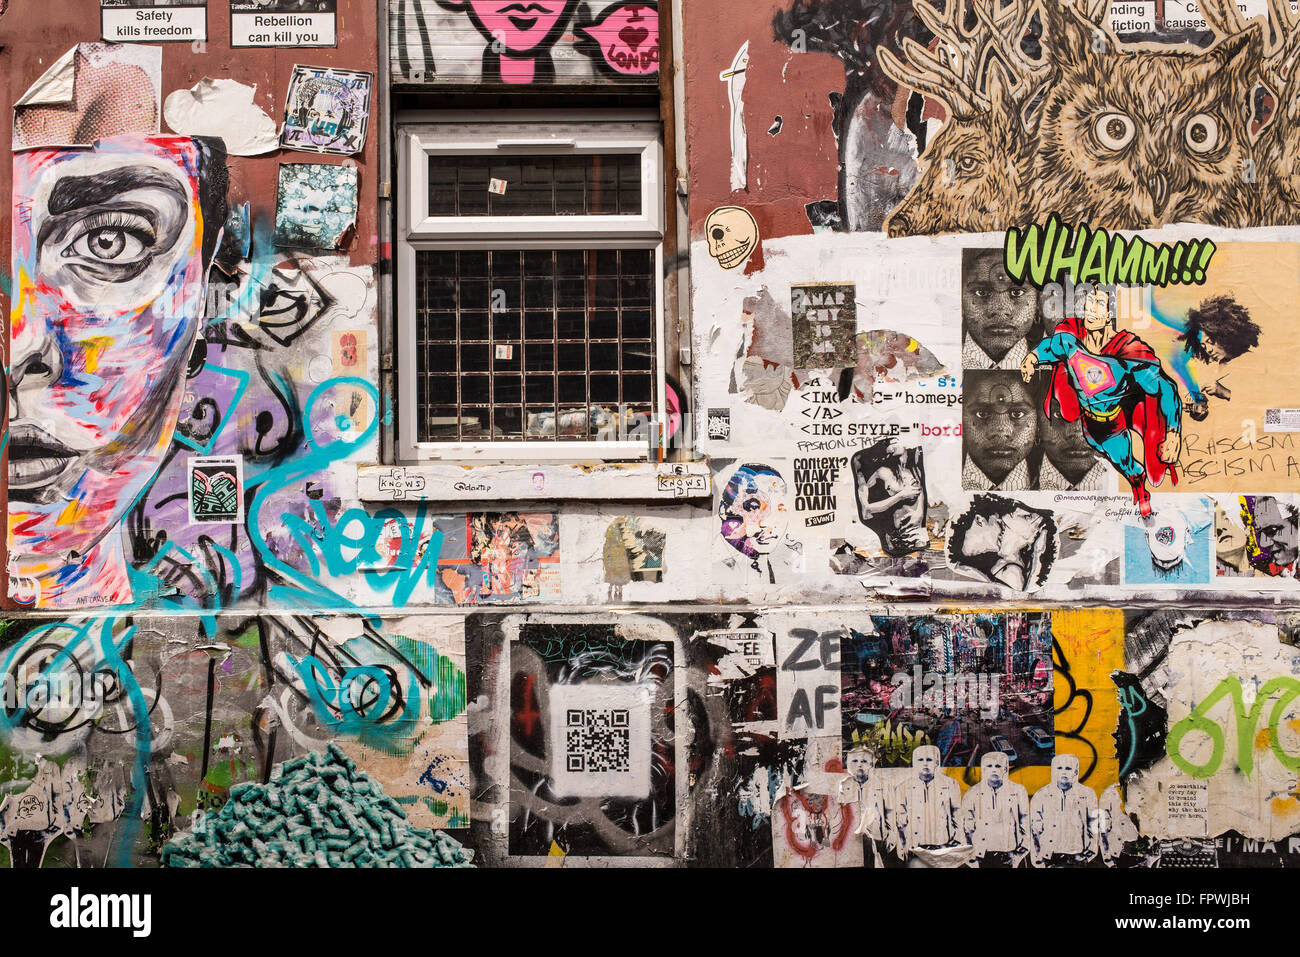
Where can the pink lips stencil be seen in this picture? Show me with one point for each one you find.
(628, 38)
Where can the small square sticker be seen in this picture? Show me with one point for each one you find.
(505, 352)
(216, 490)
(497, 186)
(720, 424)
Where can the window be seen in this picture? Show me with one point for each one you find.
(529, 311)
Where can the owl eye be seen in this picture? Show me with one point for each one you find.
(1114, 130)
(1202, 133)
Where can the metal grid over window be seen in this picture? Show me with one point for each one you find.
(529, 269)
(534, 344)
(592, 184)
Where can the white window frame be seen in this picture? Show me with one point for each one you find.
(540, 134)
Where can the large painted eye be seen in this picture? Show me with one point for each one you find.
(1201, 133)
(1114, 130)
(113, 239)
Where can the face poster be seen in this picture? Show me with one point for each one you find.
(326, 110)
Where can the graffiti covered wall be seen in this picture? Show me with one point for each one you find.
(977, 547)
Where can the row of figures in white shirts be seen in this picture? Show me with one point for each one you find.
(923, 819)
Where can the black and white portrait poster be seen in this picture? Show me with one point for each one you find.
(326, 110)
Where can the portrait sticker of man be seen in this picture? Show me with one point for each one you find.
(998, 316)
(111, 253)
(1230, 540)
(889, 481)
(865, 789)
(1115, 829)
(1068, 462)
(1272, 534)
(1005, 542)
(754, 513)
(1219, 330)
(995, 814)
(1063, 817)
(927, 807)
(999, 429)
(519, 34)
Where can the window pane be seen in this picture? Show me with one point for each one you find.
(508, 422)
(535, 185)
(473, 325)
(538, 344)
(474, 389)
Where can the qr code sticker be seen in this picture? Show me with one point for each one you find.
(598, 740)
(1282, 420)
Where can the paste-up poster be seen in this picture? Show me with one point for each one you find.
(326, 110)
(825, 319)
(283, 23)
(216, 489)
(69, 104)
(316, 205)
(153, 21)
(1229, 346)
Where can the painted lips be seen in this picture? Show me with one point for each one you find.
(35, 459)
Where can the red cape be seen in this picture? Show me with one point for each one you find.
(1147, 417)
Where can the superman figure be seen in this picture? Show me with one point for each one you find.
(1112, 382)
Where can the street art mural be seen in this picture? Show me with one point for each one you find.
(973, 543)
(541, 43)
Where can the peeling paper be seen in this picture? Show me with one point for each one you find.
(93, 91)
(1228, 682)
(222, 108)
(734, 77)
(317, 205)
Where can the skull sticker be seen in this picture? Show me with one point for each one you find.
(732, 235)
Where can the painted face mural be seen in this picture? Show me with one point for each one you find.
(111, 250)
(753, 510)
(520, 34)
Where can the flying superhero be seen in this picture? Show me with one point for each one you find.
(1112, 382)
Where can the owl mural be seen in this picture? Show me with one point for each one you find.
(1129, 139)
(1047, 111)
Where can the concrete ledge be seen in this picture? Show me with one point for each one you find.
(549, 482)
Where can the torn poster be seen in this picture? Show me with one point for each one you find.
(734, 77)
(326, 110)
(316, 205)
(222, 108)
(283, 23)
(216, 489)
(824, 320)
(155, 21)
(93, 91)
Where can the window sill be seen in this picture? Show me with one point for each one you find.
(550, 482)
